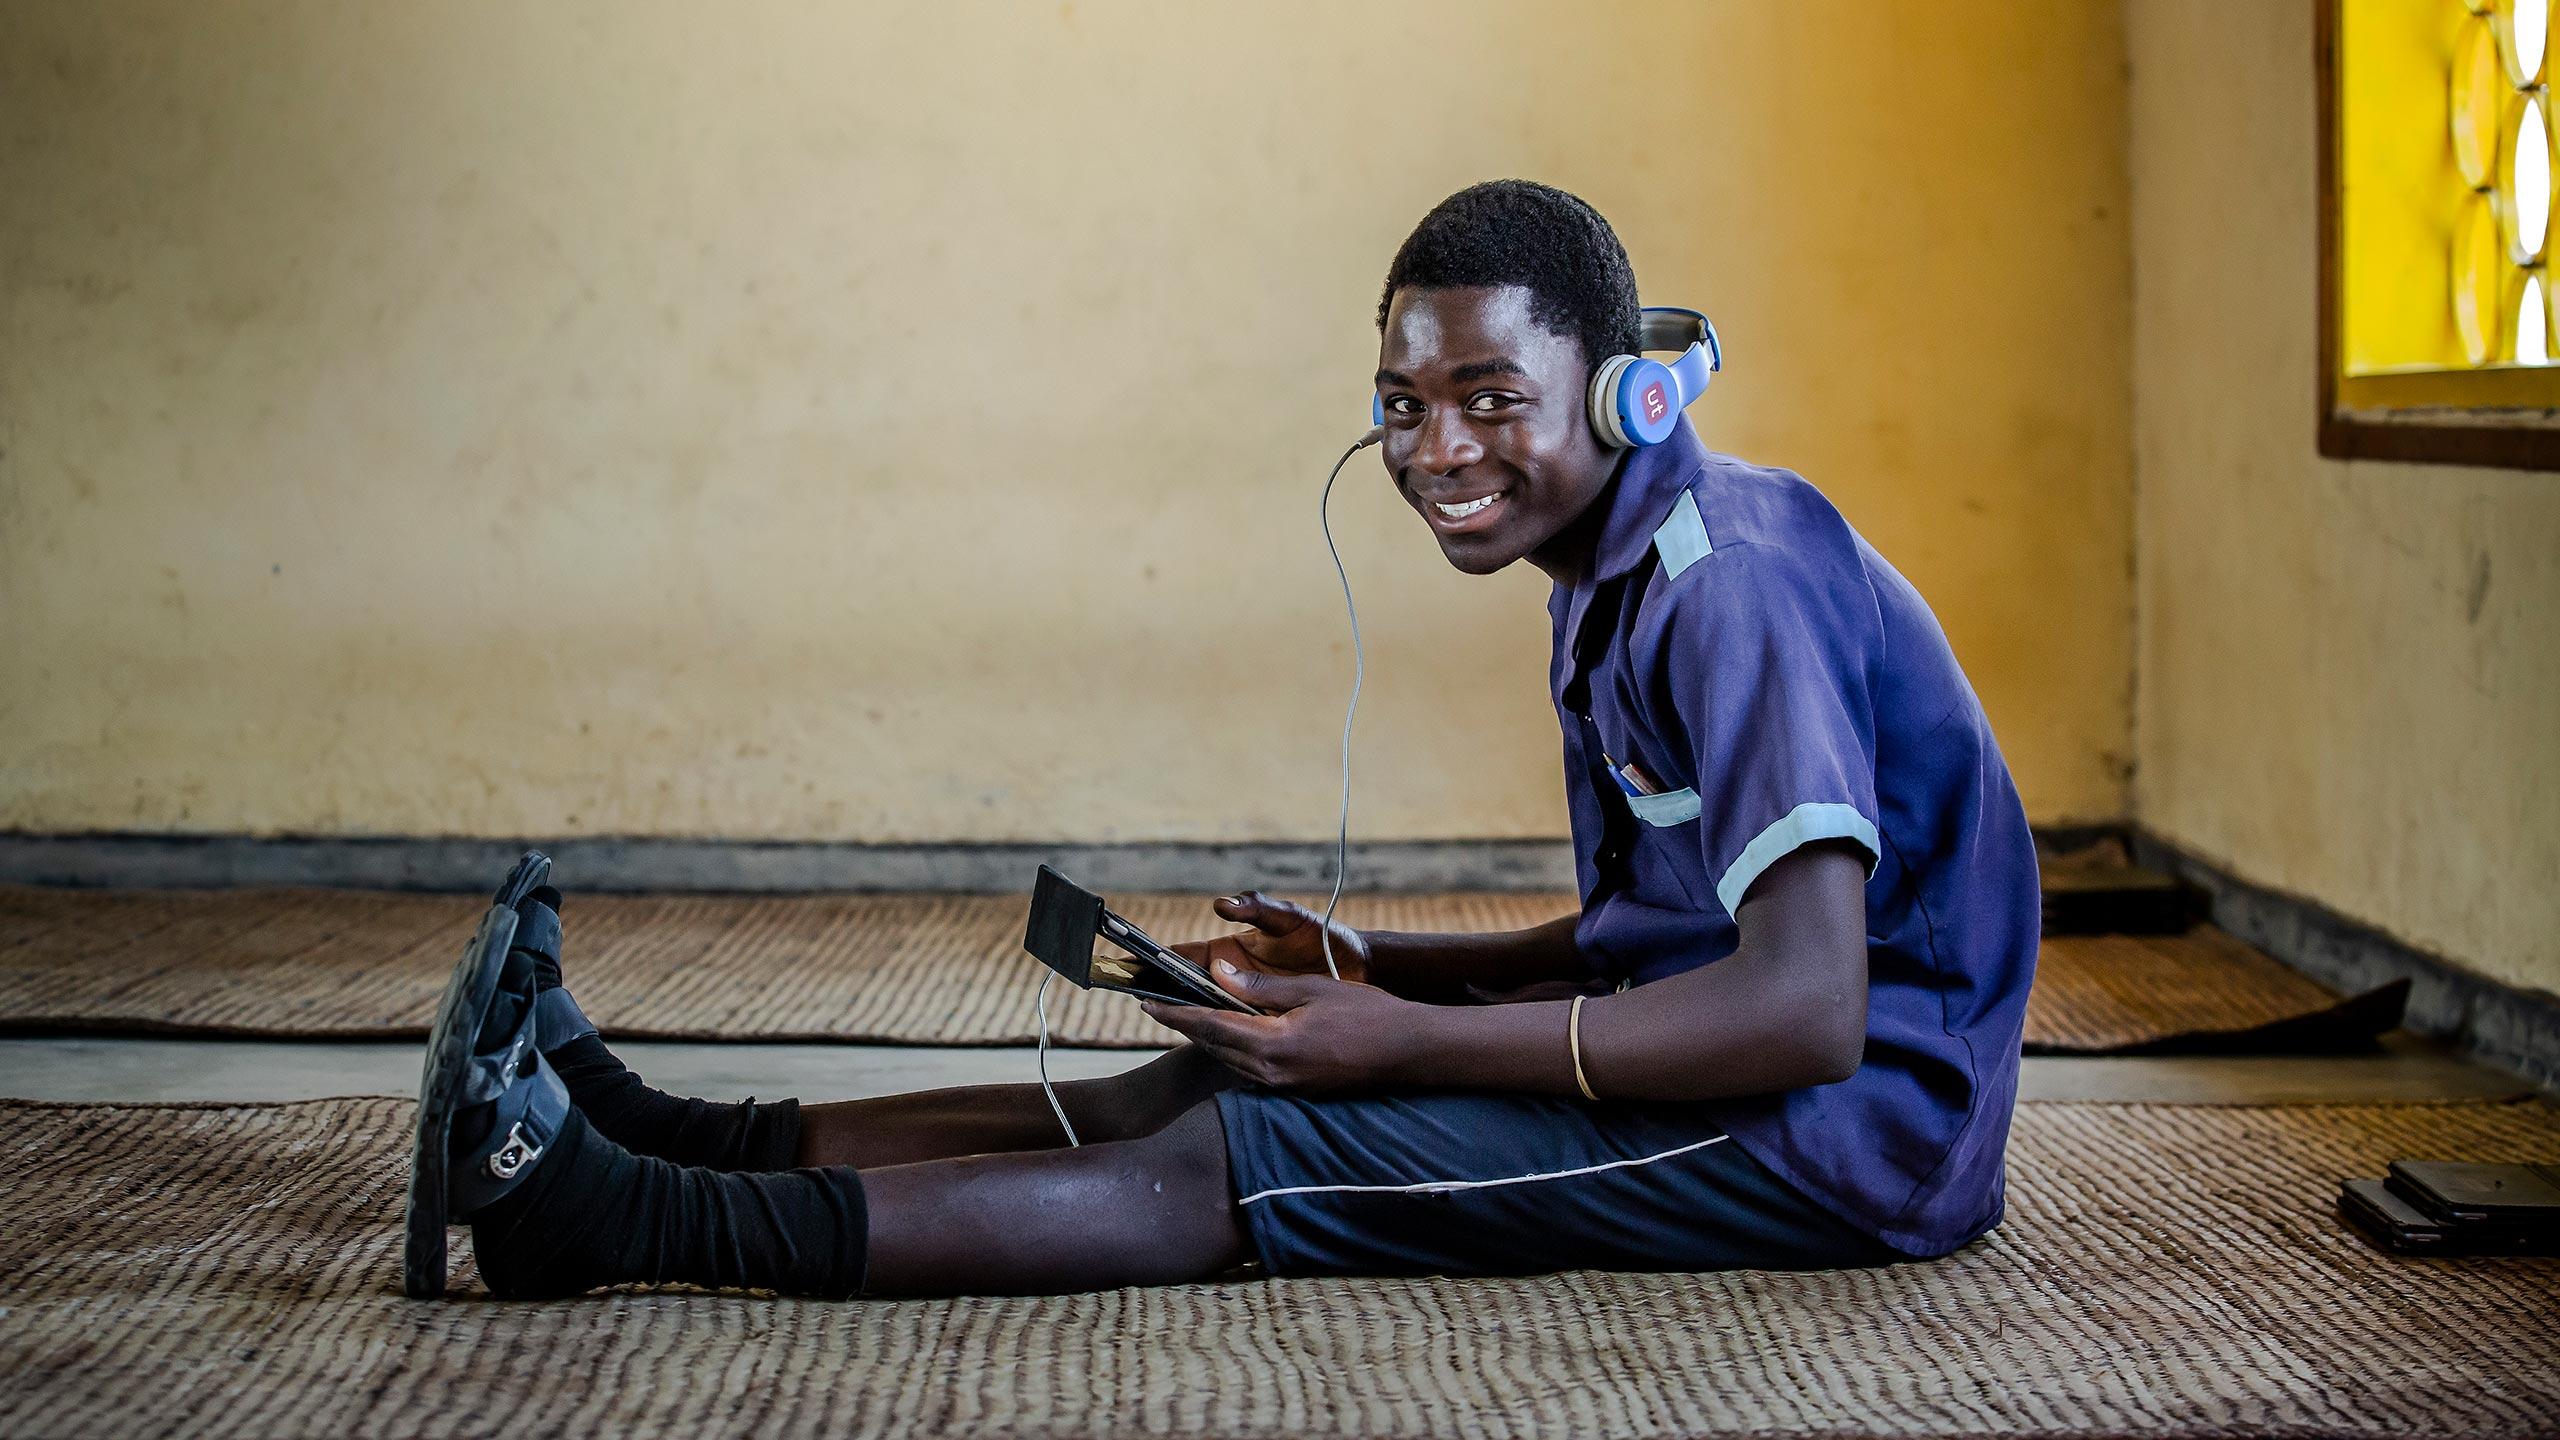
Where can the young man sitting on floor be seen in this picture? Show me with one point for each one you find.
(1798, 976)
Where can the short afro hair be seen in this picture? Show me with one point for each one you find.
(1519, 232)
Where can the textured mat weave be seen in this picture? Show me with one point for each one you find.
(2197, 992)
(2166, 1270)
(913, 969)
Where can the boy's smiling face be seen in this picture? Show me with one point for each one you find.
(1485, 434)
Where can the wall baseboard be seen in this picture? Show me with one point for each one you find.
(140, 860)
(398, 863)
(2507, 1026)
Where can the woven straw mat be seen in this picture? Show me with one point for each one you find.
(2165, 1270)
(907, 969)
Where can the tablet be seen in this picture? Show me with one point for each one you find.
(1066, 919)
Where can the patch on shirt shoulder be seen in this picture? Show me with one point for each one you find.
(1682, 540)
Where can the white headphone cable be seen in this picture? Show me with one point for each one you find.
(1359, 672)
(1041, 1004)
(1342, 819)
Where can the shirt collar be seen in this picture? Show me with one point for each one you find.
(1649, 482)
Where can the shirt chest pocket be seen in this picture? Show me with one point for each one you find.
(1665, 858)
(1676, 807)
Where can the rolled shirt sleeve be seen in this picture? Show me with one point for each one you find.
(1780, 713)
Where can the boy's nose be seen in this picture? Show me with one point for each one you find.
(1447, 443)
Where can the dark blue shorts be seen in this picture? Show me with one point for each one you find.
(1512, 1185)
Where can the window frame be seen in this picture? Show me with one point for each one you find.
(2457, 431)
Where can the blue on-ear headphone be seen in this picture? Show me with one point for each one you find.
(1636, 401)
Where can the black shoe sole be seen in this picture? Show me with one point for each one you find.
(523, 880)
(423, 1263)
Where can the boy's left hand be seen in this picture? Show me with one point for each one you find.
(1319, 1034)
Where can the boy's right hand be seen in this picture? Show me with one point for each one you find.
(1286, 939)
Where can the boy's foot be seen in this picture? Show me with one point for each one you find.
(489, 1106)
(745, 1135)
(555, 1206)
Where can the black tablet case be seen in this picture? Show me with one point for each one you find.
(1066, 919)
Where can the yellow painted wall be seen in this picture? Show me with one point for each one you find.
(2349, 672)
(904, 422)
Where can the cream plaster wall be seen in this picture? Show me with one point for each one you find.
(2349, 672)
(904, 422)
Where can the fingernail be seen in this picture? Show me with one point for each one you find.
(1226, 967)
(1231, 900)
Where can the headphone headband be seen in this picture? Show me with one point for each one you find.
(1668, 327)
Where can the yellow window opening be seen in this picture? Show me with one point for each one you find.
(2444, 165)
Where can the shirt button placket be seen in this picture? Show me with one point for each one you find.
(1612, 850)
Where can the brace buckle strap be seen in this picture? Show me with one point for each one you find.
(530, 1116)
(513, 1154)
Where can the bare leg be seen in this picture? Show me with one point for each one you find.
(994, 1119)
(1155, 1210)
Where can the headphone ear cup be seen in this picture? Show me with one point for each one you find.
(1377, 411)
(1642, 402)
(1603, 402)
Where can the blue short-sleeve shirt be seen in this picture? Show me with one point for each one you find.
(1740, 674)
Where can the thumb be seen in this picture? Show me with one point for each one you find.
(1271, 917)
(1268, 992)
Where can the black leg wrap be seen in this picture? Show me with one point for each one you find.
(745, 1135)
(595, 1214)
(740, 1136)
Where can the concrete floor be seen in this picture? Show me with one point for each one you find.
(76, 1069)
(122, 1069)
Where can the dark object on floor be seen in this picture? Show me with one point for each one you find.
(2404, 1223)
(2098, 890)
(2198, 993)
(2166, 1270)
(2481, 1194)
(2352, 1026)
(2394, 1224)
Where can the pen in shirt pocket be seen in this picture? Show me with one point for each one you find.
(1631, 777)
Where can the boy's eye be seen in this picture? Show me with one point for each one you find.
(1481, 404)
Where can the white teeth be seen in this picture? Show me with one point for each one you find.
(1460, 512)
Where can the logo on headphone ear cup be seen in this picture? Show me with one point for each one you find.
(1634, 402)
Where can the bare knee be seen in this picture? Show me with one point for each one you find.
(1144, 1100)
(1150, 1211)
(1188, 1158)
